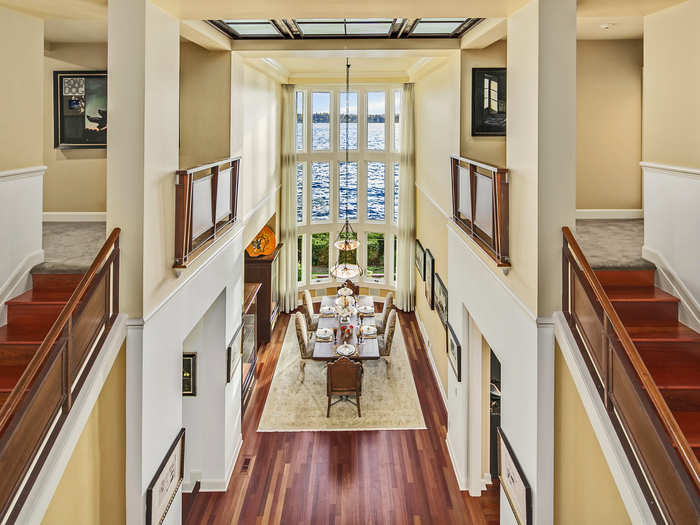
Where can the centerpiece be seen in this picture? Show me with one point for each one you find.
(345, 308)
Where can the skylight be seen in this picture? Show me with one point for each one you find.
(293, 29)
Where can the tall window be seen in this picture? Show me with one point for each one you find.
(365, 187)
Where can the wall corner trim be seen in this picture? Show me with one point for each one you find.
(615, 456)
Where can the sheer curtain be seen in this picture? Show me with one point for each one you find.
(406, 284)
(288, 204)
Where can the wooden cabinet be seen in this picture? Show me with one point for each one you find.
(265, 270)
(249, 342)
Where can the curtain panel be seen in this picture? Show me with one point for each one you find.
(288, 204)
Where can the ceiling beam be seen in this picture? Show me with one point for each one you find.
(485, 33)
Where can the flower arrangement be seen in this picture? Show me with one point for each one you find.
(346, 332)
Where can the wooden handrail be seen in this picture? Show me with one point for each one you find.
(36, 363)
(676, 435)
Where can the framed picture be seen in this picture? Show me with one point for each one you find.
(454, 352)
(164, 485)
(489, 101)
(513, 481)
(430, 279)
(441, 299)
(420, 259)
(189, 374)
(233, 353)
(79, 109)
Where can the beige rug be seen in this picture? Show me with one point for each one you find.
(387, 404)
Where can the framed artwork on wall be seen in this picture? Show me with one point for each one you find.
(79, 109)
(233, 353)
(513, 481)
(166, 482)
(454, 352)
(420, 259)
(489, 101)
(189, 374)
(430, 279)
(441, 299)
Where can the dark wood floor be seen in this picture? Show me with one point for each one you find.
(378, 477)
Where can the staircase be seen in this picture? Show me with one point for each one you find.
(670, 350)
(29, 318)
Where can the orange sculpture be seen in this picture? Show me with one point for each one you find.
(263, 244)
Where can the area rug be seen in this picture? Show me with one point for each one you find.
(387, 404)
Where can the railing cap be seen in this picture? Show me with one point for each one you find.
(486, 166)
(204, 167)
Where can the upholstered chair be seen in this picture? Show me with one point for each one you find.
(311, 318)
(380, 320)
(344, 379)
(306, 342)
(385, 340)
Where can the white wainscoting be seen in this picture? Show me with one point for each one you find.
(672, 226)
(21, 202)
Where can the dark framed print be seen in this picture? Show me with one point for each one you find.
(166, 482)
(454, 352)
(420, 259)
(79, 109)
(513, 481)
(233, 353)
(189, 374)
(441, 299)
(489, 101)
(430, 279)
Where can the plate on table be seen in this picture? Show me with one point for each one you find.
(345, 291)
(366, 309)
(327, 311)
(368, 330)
(346, 350)
(324, 334)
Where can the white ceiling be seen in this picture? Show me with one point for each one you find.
(609, 28)
(63, 30)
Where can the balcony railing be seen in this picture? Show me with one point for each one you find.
(205, 208)
(480, 205)
(34, 413)
(663, 461)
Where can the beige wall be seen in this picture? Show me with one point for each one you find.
(672, 86)
(584, 490)
(75, 179)
(609, 124)
(486, 149)
(437, 137)
(205, 105)
(92, 488)
(21, 89)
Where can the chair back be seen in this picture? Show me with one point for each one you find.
(344, 376)
(354, 287)
(388, 306)
(302, 334)
(308, 307)
(389, 329)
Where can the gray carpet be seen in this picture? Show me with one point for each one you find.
(612, 243)
(70, 247)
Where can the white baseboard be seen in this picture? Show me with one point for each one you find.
(61, 451)
(461, 483)
(212, 485)
(615, 456)
(609, 214)
(75, 216)
(18, 282)
(433, 365)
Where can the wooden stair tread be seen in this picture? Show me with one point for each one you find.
(639, 294)
(658, 333)
(674, 368)
(626, 277)
(14, 338)
(41, 297)
(690, 425)
(9, 375)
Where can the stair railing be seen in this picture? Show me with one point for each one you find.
(33, 414)
(663, 461)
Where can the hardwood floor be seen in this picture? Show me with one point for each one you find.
(377, 477)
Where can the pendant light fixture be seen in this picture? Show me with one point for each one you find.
(347, 242)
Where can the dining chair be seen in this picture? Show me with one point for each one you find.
(380, 320)
(311, 318)
(344, 378)
(385, 340)
(306, 343)
(354, 287)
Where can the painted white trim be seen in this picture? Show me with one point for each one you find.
(215, 485)
(75, 216)
(21, 173)
(669, 281)
(461, 482)
(433, 201)
(620, 468)
(433, 365)
(61, 452)
(668, 167)
(609, 213)
(478, 253)
(13, 286)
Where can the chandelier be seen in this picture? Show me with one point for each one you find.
(346, 242)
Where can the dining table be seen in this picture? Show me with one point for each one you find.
(367, 348)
